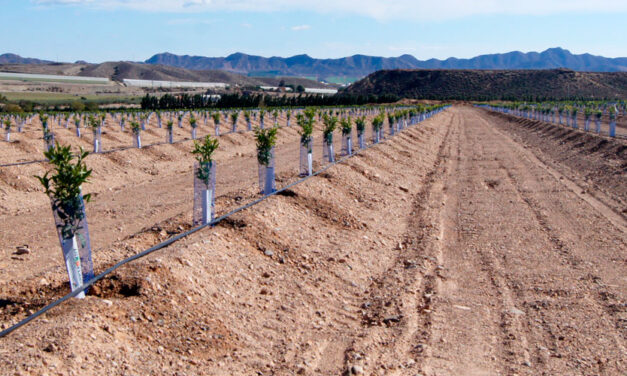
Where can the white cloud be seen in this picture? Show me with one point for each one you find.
(301, 27)
(377, 9)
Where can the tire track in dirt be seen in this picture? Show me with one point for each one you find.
(395, 313)
(511, 215)
(473, 330)
(576, 262)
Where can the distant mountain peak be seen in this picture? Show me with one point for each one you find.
(9, 58)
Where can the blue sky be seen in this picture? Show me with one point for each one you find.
(106, 30)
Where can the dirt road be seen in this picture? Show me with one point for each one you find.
(455, 248)
(533, 269)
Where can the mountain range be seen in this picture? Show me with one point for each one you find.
(361, 65)
(351, 68)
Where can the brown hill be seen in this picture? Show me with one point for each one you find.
(120, 70)
(493, 84)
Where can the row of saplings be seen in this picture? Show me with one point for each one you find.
(63, 183)
(97, 122)
(566, 115)
(138, 123)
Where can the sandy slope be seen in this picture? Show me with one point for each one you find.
(450, 249)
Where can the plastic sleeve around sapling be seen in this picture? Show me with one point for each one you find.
(71, 223)
(361, 140)
(193, 133)
(327, 149)
(267, 183)
(204, 192)
(347, 144)
(306, 158)
(97, 140)
(375, 136)
(49, 141)
(217, 130)
(137, 141)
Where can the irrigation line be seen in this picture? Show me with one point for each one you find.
(176, 238)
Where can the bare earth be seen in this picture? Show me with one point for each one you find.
(466, 245)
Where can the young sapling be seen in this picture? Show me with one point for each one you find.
(63, 186)
(266, 141)
(204, 180)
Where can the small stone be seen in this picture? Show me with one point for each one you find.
(403, 188)
(516, 311)
(108, 303)
(421, 347)
(526, 364)
(22, 250)
(391, 319)
(268, 253)
(44, 282)
(463, 308)
(357, 370)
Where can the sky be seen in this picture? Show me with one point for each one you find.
(111, 30)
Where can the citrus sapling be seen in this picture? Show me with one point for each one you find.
(136, 129)
(330, 124)
(346, 127)
(234, 116)
(204, 180)
(360, 124)
(306, 123)
(266, 141)
(63, 186)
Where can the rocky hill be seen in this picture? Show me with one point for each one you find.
(493, 84)
(123, 69)
(17, 59)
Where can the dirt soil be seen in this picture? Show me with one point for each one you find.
(466, 245)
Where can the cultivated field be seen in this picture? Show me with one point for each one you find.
(471, 243)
